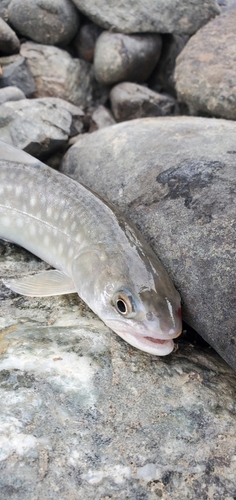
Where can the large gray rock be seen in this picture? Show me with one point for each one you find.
(130, 100)
(140, 16)
(175, 178)
(9, 42)
(206, 69)
(45, 21)
(121, 57)
(83, 415)
(15, 72)
(57, 74)
(39, 126)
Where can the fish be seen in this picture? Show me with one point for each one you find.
(93, 248)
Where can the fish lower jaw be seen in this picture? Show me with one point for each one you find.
(157, 347)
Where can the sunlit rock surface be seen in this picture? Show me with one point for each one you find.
(83, 415)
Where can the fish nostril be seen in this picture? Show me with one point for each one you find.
(150, 316)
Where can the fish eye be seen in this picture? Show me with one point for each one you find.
(123, 303)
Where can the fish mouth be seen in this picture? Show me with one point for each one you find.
(151, 345)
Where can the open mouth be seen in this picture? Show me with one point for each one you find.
(156, 341)
(158, 347)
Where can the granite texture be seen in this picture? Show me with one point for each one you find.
(85, 415)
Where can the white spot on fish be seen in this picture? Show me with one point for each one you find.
(32, 201)
(6, 221)
(32, 229)
(39, 216)
(46, 240)
(19, 222)
(60, 248)
(18, 190)
(65, 215)
(54, 231)
(56, 215)
(71, 252)
(170, 308)
(73, 225)
(49, 211)
(78, 238)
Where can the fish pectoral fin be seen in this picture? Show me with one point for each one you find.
(44, 284)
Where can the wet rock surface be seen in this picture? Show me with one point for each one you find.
(175, 178)
(85, 415)
(205, 71)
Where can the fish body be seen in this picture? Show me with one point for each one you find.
(94, 249)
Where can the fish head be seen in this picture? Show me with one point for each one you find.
(147, 320)
(134, 296)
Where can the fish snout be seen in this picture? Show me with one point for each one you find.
(172, 324)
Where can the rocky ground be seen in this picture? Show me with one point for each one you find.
(84, 415)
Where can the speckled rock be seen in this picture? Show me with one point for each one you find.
(83, 415)
(9, 42)
(39, 126)
(140, 16)
(206, 69)
(50, 22)
(11, 94)
(121, 57)
(130, 100)
(175, 178)
(15, 72)
(85, 41)
(58, 74)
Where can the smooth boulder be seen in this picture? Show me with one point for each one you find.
(175, 178)
(206, 69)
(141, 16)
(121, 57)
(45, 21)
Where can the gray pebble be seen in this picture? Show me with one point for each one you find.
(45, 21)
(121, 57)
(130, 100)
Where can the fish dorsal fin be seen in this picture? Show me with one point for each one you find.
(44, 284)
